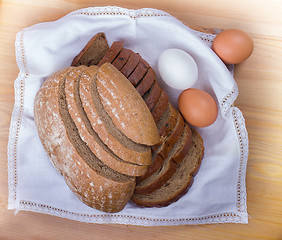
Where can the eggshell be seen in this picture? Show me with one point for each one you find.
(177, 68)
(197, 107)
(233, 46)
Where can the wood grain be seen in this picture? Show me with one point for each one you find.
(260, 100)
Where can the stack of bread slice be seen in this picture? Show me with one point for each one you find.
(79, 114)
(177, 157)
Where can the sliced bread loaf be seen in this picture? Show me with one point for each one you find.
(181, 180)
(87, 133)
(92, 181)
(93, 52)
(102, 124)
(169, 166)
(117, 94)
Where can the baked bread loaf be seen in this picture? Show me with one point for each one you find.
(94, 173)
(176, 135)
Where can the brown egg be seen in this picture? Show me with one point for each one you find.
(197, 107)
(233, 46)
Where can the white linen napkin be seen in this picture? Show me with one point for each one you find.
(218, 194)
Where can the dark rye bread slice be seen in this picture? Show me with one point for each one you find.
(112, 53)
(144, 85)
(101, 123)
(168, 121)
(169, 166)
(89, 136)
(180, 182)
(93, 51)
(122, 58)
(160, 107)
(131, 64)
(168, 139)
(93, 183)
(139, 72)
(152, 96)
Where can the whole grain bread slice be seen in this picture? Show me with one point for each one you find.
(161, 151)
(169, 140)
(112, 53)
(118, 96)
(160, 106)
(152, 96)
(131, 64)
(87, 133)
(139, 72)
(168, 121)
(144, 85)
(93, 51)
(122, 58)
(101, 123)
(83, 172)
(181, 180)
(169, 166)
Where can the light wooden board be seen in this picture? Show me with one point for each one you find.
(260, 99)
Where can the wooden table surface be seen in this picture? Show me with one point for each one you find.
(260, 99)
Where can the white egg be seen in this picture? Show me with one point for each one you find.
(177, 68)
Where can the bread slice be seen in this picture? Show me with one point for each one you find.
(93, 52)
(117, 96)
(160, 106)
(144, 85)
(122, 58)
(87, 133)
(169, 166)
(139, 72)
(131, 64)
(161, 151)
(181, 180)
(93, 182)
(152, 96)
(112, 53)
(169, 140)
(168, 121)
(101, 123)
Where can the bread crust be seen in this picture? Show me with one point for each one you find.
(115, 89)
(93, 189)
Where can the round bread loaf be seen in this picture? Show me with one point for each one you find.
(88, 172)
